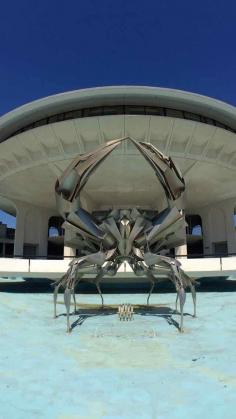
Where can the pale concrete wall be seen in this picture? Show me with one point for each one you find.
(217, 221)
(31, 228)
(37, 268)
(68, 251)
(218, 225)
(14, 266)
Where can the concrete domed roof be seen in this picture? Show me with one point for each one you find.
(114, 96)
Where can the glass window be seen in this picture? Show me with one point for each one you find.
(31, 126)
(113, 110)
(121, 110)
(134, 110)
(78, 113)
(235, 217)
(192, 116)
(52, 119)
(93, 111)
(60, 117)
(154, 110)
(9, 250)
(55, 226)
(40, 123)
(174, 113)
(220, 125)
(207, 120)
(70, 115)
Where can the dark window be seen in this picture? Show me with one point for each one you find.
(30, 250)
(220, 248)
(29, 127)
(69, 115)
(52, 119)
(9, 250)
(134, 110)
(218, 124)
(194, 235)
(60, 117)
(121, 110)
(174, 113)
(93, 111)
(11, 233)
(207, 120)
(153, 110)
(40, 123)
(113, 110)
(192, 116)
(55, 226)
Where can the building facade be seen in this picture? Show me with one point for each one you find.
(40, 139)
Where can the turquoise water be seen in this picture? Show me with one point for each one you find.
(110, 369)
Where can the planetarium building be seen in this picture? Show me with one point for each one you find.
(40, 139)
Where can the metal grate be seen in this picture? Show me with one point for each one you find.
(125, 312)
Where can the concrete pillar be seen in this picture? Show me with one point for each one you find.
(43, 233)
(206, 230)
(181, 250)
(68, 251)
(31, 228)
(20, 229)
(218, 225)
(230, 227)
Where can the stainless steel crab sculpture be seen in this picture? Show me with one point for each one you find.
(105, 241)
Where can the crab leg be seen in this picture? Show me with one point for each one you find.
(75, 308)
(100, 292)
(56, 289)
(67, 300)
(193, 291)
(176, 302)
(150, 291)
(182, 298)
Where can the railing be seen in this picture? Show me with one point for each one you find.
(59, 257)
(202, 255)
(53, 268)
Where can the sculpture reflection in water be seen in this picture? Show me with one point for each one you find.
(142, 238)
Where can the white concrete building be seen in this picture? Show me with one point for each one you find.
(38, 141)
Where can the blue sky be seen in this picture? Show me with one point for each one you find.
(52, 46)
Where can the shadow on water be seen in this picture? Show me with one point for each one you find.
(218, 284)
(164, 312)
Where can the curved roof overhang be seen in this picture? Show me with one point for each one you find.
(205, 154)
(117, 95)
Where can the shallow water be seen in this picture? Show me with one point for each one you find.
(111, 369)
